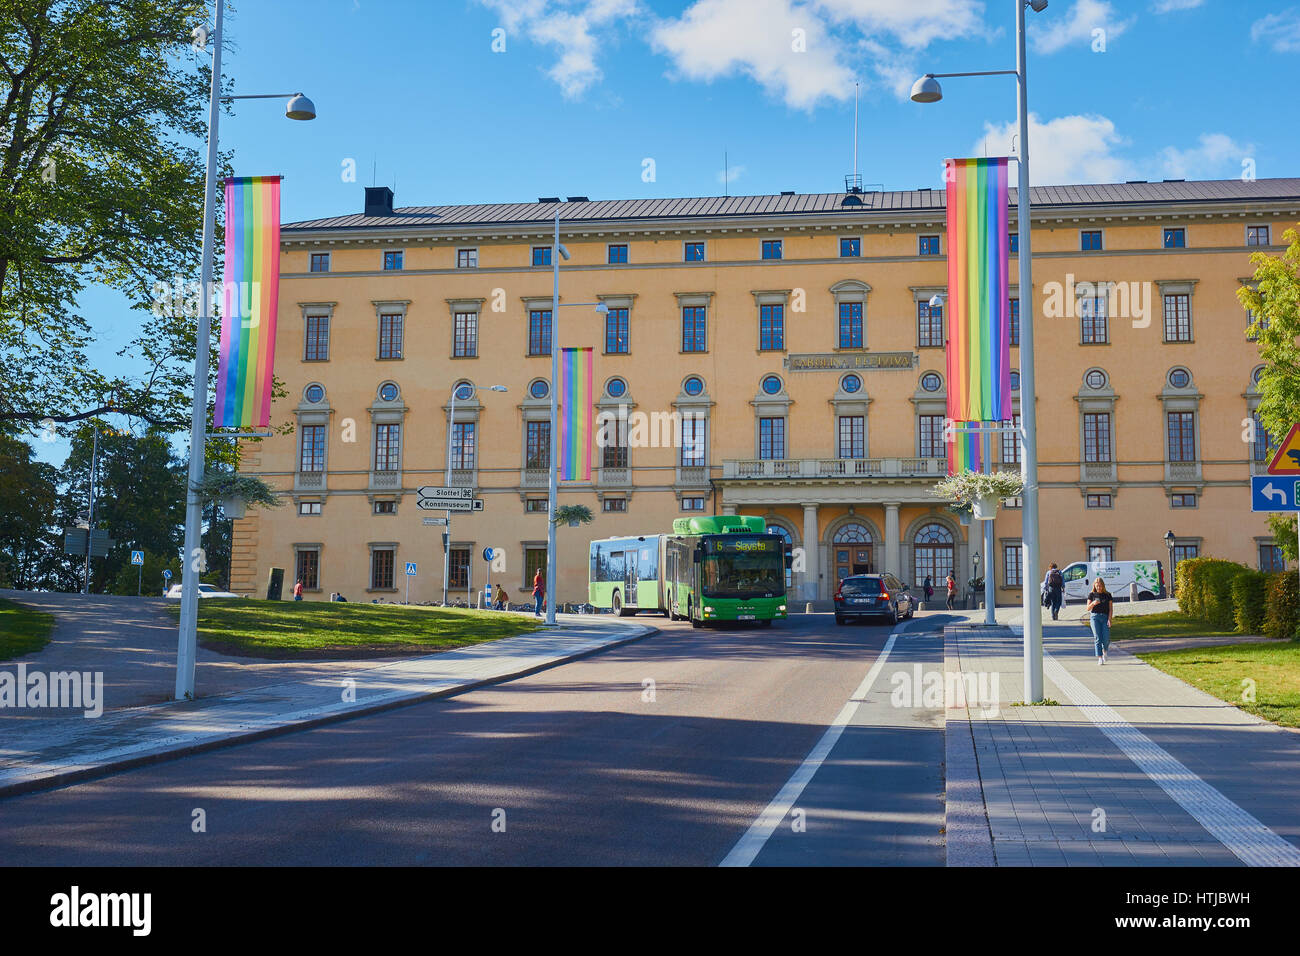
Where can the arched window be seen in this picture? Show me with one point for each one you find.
(932, 555)
(852, 550)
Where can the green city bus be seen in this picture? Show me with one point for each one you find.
(724, 568)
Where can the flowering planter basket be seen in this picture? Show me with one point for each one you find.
(984, 508)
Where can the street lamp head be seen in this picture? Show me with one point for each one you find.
(1169, 539)
(1038, 5)
(602, 309)
(499, 388)
(564, 253)
(936, 300)
(927, 90)
(300, 108)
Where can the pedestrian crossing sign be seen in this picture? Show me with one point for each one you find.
(410, 568)
(1287, 459)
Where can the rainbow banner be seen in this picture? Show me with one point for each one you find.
(251, 299)
(979, 307)
(964, 449)
(575, 398)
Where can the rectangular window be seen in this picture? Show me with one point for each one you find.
(693, 328)
(1096, 437)
(538, 445)
(316, 339)
(1015, 321)
(381, 569)
(1175, 238)
(850, 247)
(1094, 328)
(309, 507)
(388, 447)
(312, 455)
(929, 326)
(1014, 241)
(466, 258)
(616, 337)
(1182, 552)
(390, 336)
(458, 568)
(693, 252)
(320, 262)
(853, 435)
(541, 255)
(693, 503)
(1182, 436)
(307, 570)
(462, 446)
(617, 254)
(392, 262)
(1103, 553)
(535, 506)
(772, 249)
(385, 507)
(465, 335)
(1099, 501)
(1178, 318)
(930, 441)
(1182, 501)
(1270, 558)
(771, 438)
(1011, 556)
(613, 504)
(929, 246)
(534, 561)
(771, 328)
(1262, 449)
(1011, 443)
(850, 325)
(1090, 240)
(614, 454)
(693, 441)
(1257, 236)
(539, 332)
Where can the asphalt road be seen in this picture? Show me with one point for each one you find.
(662, 752)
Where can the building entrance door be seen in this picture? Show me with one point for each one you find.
(853, 559)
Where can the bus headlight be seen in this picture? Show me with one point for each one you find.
(781, 608)
(708, 610)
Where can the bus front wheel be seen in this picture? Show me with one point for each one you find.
(690, 613)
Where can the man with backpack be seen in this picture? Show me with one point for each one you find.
(1053, 590)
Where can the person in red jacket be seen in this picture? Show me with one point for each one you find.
(539, 592)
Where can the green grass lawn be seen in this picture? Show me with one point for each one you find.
(1274, 668)
(22, 629)
(1168, 624)
(318, 629)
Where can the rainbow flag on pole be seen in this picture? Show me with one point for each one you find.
(251, 299)
(979, 309)
(575, 414)
(964, 449)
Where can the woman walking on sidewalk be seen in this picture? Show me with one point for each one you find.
(539, 593)
(1101, 611)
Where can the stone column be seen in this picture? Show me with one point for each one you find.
(811, 542)
(729, 509)
(893, 553)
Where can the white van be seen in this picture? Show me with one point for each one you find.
(1118, 575)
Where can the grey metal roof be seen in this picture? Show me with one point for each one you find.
(713, 207)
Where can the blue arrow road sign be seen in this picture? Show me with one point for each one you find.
(167, 575)
(410, 568)
(1274, 493)
(487, 554)
(137, 557)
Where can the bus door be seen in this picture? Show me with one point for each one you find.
(670, 578)
(631, 574)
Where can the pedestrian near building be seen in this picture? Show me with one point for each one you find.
(1101, 611)
(539, 592)
(297, 590)
(952, 589)
(928, 588)
(503, 600)
(1053, 590)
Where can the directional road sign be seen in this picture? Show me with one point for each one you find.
(487, 554)
(167, 575)
(433, 522)
(454, 505)
(1287, 459)
(137, 557)
(1274, 493)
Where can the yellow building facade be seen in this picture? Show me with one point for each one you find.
(797, 331)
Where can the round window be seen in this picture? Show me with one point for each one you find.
(464, 392)
(1180, 378)
(314, 394)
(1095, 378)
(693, 385)
(851, 384)
(1015, 381)
(931, 382)
(616, 388)
(1256, 375)
(539, 389)
(388, 392)
(771, 385)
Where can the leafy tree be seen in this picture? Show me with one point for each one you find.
(28, 494)
(1274, 299)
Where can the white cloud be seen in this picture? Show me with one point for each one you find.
(1077, 26)
(729, 174)
(1068, 149)
(1215, 155)
(914, 23)
(1168, 6)
(1281, 30)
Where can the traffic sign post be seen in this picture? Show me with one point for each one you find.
(410, 573)
(487, 573)
(137, 558)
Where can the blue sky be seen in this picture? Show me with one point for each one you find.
(586, 91)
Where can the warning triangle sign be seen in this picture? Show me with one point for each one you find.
(1287, 459)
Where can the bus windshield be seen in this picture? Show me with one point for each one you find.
(743, 568)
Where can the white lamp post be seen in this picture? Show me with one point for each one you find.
(298, 108)
(927, 90)
(451, 438)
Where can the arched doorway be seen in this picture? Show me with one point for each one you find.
(932, 555)
(852, 550)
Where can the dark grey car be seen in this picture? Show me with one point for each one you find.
(881, 596)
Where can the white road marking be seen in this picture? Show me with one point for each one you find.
(755, 838)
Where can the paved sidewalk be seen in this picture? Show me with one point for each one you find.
(1134, 767)
(37, 754)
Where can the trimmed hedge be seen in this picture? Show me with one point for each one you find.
(1228, 594)
(1249, 591)
(1281, 605)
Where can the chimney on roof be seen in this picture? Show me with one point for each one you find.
(379, 201)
